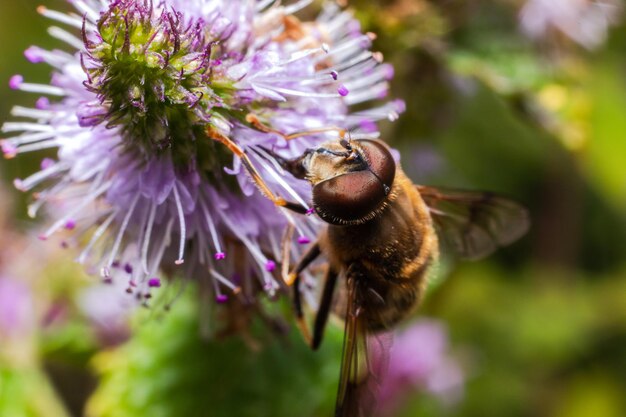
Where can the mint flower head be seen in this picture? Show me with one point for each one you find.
(140, 184)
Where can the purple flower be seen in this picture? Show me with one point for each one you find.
(586, 22)
(419, 360)
(425, 162)
(16, 308)
(140, 184)
(108, 309)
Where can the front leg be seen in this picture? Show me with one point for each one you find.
(294, 278)
(254, 120)
(321, 318)
(254, 174)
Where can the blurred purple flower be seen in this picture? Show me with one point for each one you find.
(425, 162)
(17, 316)
(108, 310)
(586, 22)
(138, 183)
(420, 361)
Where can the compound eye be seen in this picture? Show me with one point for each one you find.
(380, 160)
(348, 198)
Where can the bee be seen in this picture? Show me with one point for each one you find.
(383, 234)
(382, 237)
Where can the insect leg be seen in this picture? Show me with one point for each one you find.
(324, 309)
(254, 174)
(294, 278)
(286, 257)
(253, 119)
(310, 255)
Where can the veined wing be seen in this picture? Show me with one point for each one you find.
(353, 375)
(474, 224)
(364, 361)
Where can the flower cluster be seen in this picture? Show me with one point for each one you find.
(141, 184)
(586, 22)
(420, 360)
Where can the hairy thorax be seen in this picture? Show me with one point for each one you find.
(388, 255)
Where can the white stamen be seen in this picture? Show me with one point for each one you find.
(65, 36)
(146, 240)
(211, 225)
(291, 92)
(335, 20)
(279, 179)
(290, 219)
(216, 285)
(316, 79)
(52, 143)
(262, 5)
(44, 196)
(82, 7)
(347, 48)
(183, 228)
(31, 181)
(371, 93)
(88, 199)
(96, 169)
(122, 230)
(297, 6)
(165, 241)
(95, 237)
(296, 56)
(20, 111)
(274, 245)
(357, 70)
(33, 208)
(222, 279)
(360, 59)
(71, 20)
(385, 111)
(252, 248)
(57, 59)
(29, 138)
(41, 89)
(24, 126)
(373, 78)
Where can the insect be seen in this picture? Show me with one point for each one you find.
(381, 239)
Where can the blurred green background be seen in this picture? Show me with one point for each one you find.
(539, 329)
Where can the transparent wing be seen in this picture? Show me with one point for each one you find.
(353, 375)
(364, 362)
(474, 224)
